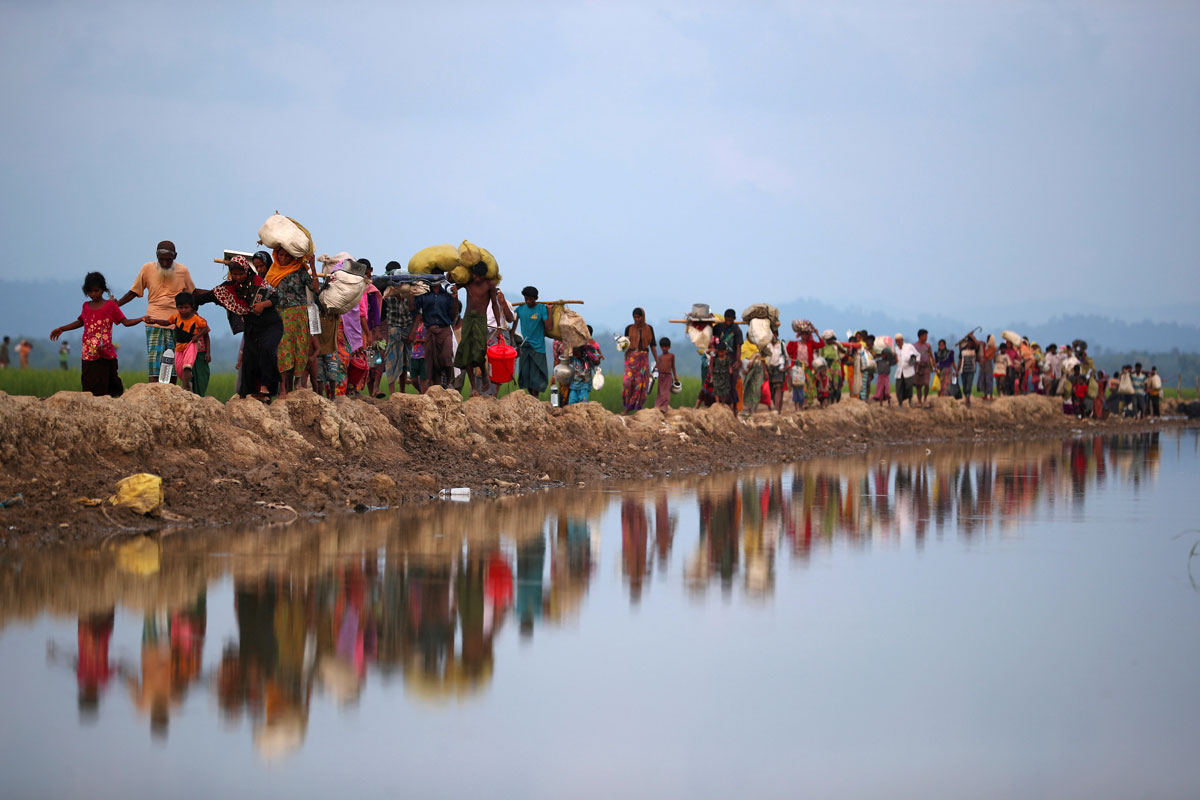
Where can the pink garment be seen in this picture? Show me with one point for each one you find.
(185, 355)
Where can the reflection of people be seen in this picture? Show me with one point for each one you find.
(152, 692)
(531, 560)
(92, 668)
(634, 536)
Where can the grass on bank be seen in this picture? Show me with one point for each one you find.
(45, 382)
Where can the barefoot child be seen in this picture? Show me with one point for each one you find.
(189, 328)
(99, 375)
(666, 374)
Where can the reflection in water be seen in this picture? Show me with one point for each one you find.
(426, 594)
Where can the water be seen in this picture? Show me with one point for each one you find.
(988, 621)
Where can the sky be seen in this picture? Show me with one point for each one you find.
(977, 159)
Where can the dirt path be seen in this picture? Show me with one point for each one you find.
(239, 462)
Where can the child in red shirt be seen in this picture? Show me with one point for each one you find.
(99, 374)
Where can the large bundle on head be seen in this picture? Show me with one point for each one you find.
(803, 326)
(699, 326)
(763, 321)
(468, 255)
(567, 325)
(284, 233)
(1012, 337)
(436, 260)
(346, 284)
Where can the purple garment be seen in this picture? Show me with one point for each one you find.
(352, 325)
(374, 308)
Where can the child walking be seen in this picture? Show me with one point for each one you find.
(666, 374)
(190, 328)
(99, 357)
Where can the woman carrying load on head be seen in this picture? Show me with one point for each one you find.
(642, 345)
(247, 296)
(292, 279)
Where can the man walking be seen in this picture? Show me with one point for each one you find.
(438, 309)
(532, 375)
(160, 280)
(906, 370)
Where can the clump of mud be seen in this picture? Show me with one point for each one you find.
(245, 461)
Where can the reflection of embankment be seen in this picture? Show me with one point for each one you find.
(148, 572)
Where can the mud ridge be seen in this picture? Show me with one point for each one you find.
(243, 461)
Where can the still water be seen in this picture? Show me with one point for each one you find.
(1004, 620)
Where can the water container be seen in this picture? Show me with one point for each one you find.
(554, 400)
(501, 360)
(314, 320)
(167, 368)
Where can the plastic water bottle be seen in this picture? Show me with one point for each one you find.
(167, 368)
(554, 395)
(314, 319)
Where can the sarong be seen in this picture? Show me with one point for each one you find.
(883, 387)
(472, 346)
(399, 353)
(157, 340)
(752, 388)
(531, 371)
(662, 400)
(293, 347)
(637, 380)
(439, 350)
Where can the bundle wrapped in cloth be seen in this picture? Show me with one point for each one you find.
(763, 321)
(284, 233)
(700, 326)
(1012, 337)
(567, 326)
(347, 282)
(803, 326)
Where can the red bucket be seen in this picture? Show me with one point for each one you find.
(502, 359)
(356, 375)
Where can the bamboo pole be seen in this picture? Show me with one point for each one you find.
(719, 322)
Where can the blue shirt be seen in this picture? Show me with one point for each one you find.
(435, 308)
(533, 324)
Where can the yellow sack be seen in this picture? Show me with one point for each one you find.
(935, 386)
(469, 254)
(551, 326)
(434, 260)
(461, 275)
(141, 492)
(493, 273)
(749, 349)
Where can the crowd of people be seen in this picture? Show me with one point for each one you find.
(429, 337)
(820, 369)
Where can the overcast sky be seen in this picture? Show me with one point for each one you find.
(961, 157)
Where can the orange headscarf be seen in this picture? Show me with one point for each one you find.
(278, 272)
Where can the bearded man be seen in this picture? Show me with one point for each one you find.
(160, 280)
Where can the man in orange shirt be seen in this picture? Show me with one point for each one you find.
(160, 281)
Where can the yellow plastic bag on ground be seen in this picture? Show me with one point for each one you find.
(142, 492)
(436, 259)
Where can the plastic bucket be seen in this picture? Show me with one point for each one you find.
(502, 359)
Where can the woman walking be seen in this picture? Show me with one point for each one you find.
(637, 362)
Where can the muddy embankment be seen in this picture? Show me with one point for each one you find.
(243, 461)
